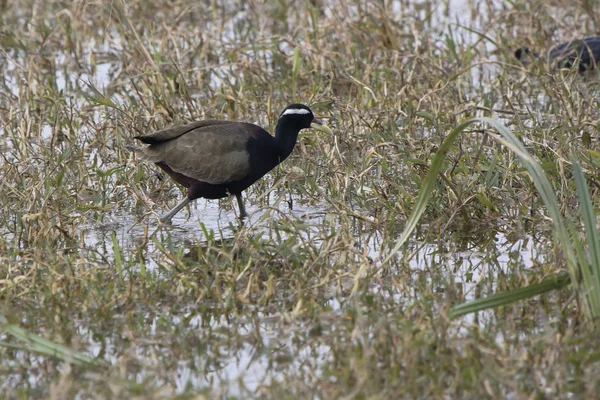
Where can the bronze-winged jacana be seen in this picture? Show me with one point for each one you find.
(214, 159)
(584, 53)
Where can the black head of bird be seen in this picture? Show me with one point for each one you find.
(214, 159)
(521, 53)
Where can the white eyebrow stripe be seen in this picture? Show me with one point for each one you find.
(296, 111)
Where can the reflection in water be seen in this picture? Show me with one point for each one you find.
(237, 353)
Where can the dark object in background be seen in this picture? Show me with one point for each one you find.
(214, 159)
(584, 53)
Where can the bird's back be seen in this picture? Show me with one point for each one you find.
(214, 152)
(165, 135)
(585, 51)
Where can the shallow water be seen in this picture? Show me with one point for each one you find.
(241, 352)
(263, 350)
(229, 353)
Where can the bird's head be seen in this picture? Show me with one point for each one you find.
(522, 53)
(301, 116)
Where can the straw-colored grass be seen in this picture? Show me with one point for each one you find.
(99, 301)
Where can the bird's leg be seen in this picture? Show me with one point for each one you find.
(291, 200)
(159, 175)
(168, 216)
(240, 202)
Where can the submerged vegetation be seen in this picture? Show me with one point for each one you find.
(318, 294)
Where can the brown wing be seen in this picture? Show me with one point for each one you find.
(214, 153)
(173, 133)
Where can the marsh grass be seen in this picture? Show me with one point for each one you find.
(583, 272)
(296, 302)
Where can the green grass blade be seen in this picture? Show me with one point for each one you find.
(427, 188)
(39, 345)
(504, 298)
(117, 253)
(539, 178)
(532, 166)
(96, 97)
(590, 269)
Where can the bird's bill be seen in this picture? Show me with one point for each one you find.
(320, 127)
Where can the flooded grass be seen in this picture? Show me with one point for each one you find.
(294, 303)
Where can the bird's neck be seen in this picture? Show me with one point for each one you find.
(286, 137)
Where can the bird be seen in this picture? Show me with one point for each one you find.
(581, 52)
(215, 158)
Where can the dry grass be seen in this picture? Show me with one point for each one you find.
(286, 306)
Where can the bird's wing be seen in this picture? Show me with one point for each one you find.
(212, 154)
(177, 131)
(591, 50)
(586, 50)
